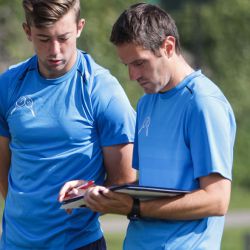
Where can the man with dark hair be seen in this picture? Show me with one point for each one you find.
(62, 117)
(185, 133)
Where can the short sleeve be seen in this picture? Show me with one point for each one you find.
(115, 117)
(211, 132)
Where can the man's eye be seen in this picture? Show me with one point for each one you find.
(63, 39)
(139, 63)
(44, 40)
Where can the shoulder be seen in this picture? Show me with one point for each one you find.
(205, 94)
(99, 80)
(88, 67)
(11, 79)
(103, 88)
(208, 105)
(15, 72)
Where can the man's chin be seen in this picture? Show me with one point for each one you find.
(149, 91)
(149, 88)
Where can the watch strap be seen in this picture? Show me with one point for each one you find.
(135, 211)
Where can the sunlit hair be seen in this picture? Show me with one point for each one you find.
(44, 13)
(146, 25)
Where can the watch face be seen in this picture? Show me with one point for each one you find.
(133, 217)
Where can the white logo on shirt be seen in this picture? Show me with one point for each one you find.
(145, 125)
(24, 102)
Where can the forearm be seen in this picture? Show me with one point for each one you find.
(5, 156)
(4, 188)
(4, 180)
(212, 200)
(187, 207)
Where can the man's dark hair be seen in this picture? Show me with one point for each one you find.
(44, 13)
(146, 25)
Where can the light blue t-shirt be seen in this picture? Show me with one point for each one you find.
(182, 135)
(57, 128)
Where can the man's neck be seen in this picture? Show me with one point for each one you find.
(180, 70)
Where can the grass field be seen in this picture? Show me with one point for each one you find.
(233, 239)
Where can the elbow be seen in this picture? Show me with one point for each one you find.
(132, 178)
(221, 208)
(222, 212)
(129, 177)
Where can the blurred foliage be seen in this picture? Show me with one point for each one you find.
(13, 44)
(214, 35)
(217, 35)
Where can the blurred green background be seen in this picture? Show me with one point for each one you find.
(215, 37)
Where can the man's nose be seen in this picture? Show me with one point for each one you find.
(55, 47)
(134, 73)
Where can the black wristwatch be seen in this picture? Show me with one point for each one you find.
(135, 211)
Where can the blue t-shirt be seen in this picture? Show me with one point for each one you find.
(182, 135)
(57, 128)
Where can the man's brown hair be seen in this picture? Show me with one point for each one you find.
(44, 13)
(146, 25)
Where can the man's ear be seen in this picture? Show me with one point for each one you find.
(80, 27)
(27, 31)
(168, 46)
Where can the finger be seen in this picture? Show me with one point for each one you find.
(67, 187)
(94, 193)
(94, 198)
(108, 193)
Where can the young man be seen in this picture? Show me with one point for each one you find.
(62, 117)
(185, 134)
